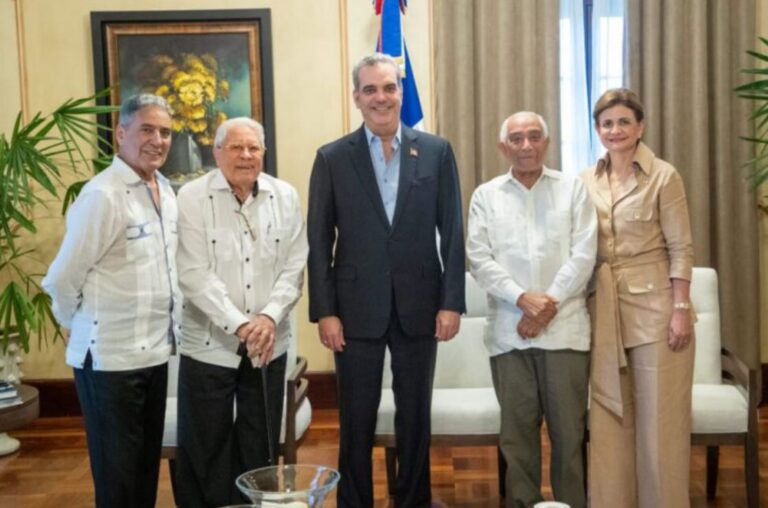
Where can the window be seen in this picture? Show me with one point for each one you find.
(591, 61)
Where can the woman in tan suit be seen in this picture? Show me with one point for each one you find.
(642, 353)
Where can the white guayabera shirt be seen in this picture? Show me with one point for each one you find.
(113, 282)
(237, 261)
(542, 239)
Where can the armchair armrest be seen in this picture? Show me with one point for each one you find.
(735, 370)
(297, 385)
(295, 393)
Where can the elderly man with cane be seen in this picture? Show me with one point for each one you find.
(242, 251)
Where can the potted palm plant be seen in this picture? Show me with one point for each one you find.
(757, 90)
(34, 157)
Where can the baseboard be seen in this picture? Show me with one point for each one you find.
(59, 398)
(322, 390)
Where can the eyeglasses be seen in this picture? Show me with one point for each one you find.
(237, 148)
(247, 224)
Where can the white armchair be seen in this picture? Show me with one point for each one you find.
(725, 391)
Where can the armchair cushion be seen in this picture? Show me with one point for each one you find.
(718, 408)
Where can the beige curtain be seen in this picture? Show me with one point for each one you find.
(684, 58)
(493, 58)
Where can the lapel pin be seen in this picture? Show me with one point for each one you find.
(414, 152)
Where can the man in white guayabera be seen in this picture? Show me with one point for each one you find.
(531, 243)
(242, 251)
(113, 285)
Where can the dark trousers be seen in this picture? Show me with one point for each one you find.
(359, 371)
(124, 414)
(213, 448)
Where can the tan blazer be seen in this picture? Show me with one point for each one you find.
(644, 240)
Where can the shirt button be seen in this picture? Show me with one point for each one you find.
(247, 259)
(637, 215)
(226, 328)
(248, 286)
(247, 311)
(95, 322)
(93, 342)
(650, 285)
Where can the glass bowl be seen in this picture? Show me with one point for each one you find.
(288, 486)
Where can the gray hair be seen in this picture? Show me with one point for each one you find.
(370, 61)
(132, 104)
(504, 131)
(223, 129)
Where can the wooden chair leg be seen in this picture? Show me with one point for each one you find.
(713, 463)
(502, 466)
(585, 461)
(390, 456)
(751, 471)
(172, 471)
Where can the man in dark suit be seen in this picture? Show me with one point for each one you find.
(376, 280)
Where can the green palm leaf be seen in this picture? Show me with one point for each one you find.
(34, 157)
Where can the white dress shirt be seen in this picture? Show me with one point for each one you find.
(542, 239)
(113, 282)
(237, 261)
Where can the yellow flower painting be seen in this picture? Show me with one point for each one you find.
(192, 84)
(209, 65)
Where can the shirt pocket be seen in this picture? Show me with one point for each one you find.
(558, 224)
(638, 219)
(646, 279)
(507, 237)
(138, 242)
(223, 245)
(275, 243)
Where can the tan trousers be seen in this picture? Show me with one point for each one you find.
(643, 460)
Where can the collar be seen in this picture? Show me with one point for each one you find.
(643, 159)
(369, 135)
(263, 183)
(130, 177)
(546, 172)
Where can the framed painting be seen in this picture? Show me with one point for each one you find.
(209, 66)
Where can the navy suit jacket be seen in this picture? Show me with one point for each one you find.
(359, 265)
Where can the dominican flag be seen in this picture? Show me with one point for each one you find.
(392, 43)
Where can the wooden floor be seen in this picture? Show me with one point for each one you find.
(51, 469)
